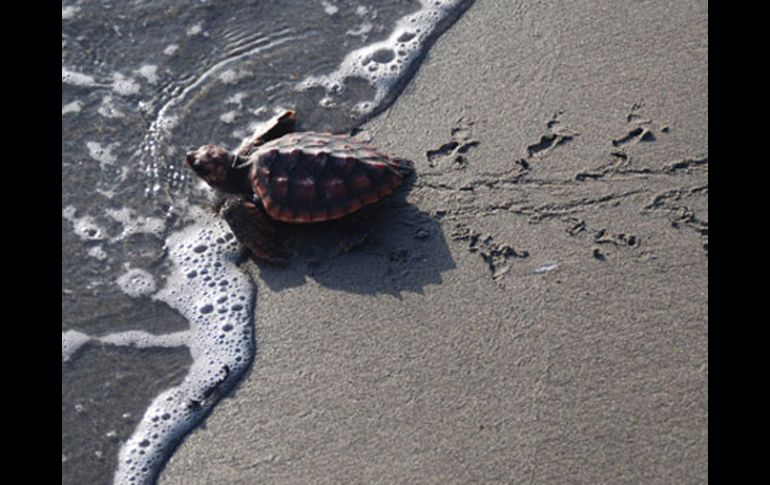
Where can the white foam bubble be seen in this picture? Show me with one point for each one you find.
(69, 12)
(108, 108)
(228, 76)
(236, 99)
(73, 107)
(124, 85)
(69, 212)
(120, 83)
(207, 288)
(195, 29)
(329, 7)
(108, 193)
(85, 227)
(228, 117)
(88, 229)
(136, 282)
(171, 49)
(149, 72)
(232, 76)
(360, 31)
(102, 154)
(141, 339)
(134, 223)
(382, 64)
(71, 342)
(97, 252)
(216, 297)
(77, 78)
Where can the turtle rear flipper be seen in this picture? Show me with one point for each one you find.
(277, 127)
(252, 228)
(406, 167)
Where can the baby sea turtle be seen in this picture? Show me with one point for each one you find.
(297, 178)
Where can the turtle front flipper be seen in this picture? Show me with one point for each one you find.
(252, 227)
(280, 125)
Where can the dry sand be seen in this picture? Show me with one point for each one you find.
(535, 309)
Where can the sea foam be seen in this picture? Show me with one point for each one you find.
(217, 298)
(384, 64)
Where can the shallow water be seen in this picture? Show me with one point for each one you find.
(142, 82)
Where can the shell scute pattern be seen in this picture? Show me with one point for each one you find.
(311, 177)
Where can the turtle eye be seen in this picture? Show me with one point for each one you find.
(199, 167)
(191, 158)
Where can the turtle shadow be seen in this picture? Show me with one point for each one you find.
(405, 251)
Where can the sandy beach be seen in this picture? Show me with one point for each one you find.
(534, 309)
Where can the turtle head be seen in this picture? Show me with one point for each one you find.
(218, 167)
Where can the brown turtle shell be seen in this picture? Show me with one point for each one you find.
(312, 177)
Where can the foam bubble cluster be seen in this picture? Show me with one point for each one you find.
(134, 223)
(383, 64)
(88, 229)
(120, 84)
(102, 154)
(71, 341)
(216, 297)
(75, 78)
(73, 107)
(85, 227)
(136, 282)
(149, 72)
(69, 12)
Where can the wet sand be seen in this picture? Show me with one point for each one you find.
(534, 308)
